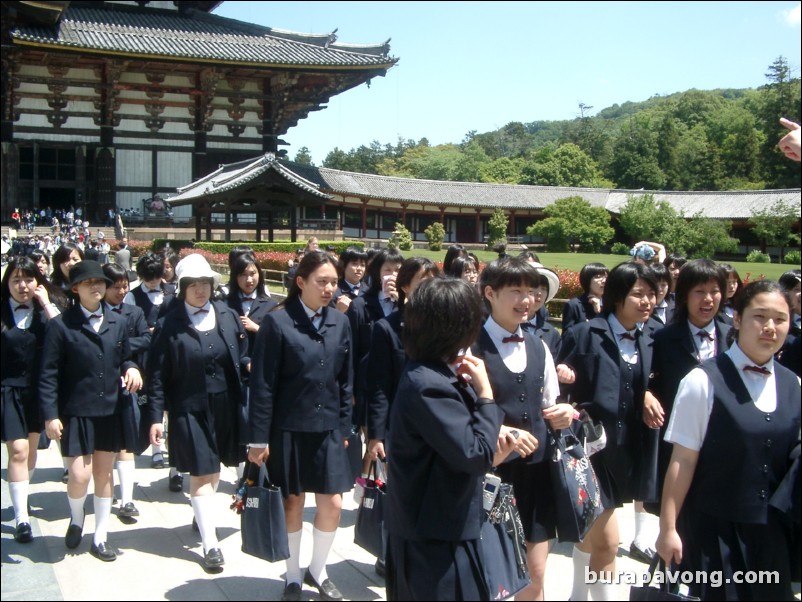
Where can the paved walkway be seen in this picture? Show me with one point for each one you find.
(161, 554)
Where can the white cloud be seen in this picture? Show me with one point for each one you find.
(792, 16)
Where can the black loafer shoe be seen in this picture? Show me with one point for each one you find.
(23, 534)
(103, 551)
(327, 589)
(213, 559)
(292, 592)
(646, 555)
(157, 461)
(379, 568)
(177, 482)
(73, 537)
(65, 477)
(128, 511)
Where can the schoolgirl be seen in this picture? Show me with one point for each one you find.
(198, 337)
(453, 251)
(151, 298)
(353, 262)
(171, 259)
(247, 296)
(735, 422)
(42, 261)
(545, 289)
(588, 305)
(524, 382)
(465, 268)
(606, 362)
(693, 336)
(444, 436)
(300, 413)
(387, 356)
(65, 257)
(139, 337)
(788, 355)
(86, 352)
(663, 311)
(734, 284)
(25, 308)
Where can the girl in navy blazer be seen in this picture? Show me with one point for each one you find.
(444, 437)
(195, 364)
(734, 426)
(247, 296)
(300, 412)
(85, 355)
(25, 308)
(606, 364)
(352, 265)
(139, 338)
(587, 306)
(734, 285)
(521, 372)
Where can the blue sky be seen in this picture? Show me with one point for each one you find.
(478, 65)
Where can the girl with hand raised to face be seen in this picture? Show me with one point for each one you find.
(734, 426)
(300, 413)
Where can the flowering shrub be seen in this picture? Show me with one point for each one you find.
(267, 260)
(137, 247)
(569, 288)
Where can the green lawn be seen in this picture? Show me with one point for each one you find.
(575, 261)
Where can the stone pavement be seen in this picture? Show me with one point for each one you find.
(161, 554)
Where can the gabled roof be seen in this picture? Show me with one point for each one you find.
(194, 35)
(239, 175)
(732, 204)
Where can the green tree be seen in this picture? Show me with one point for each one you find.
(497, 228)
(401, 238)
(568, 165)
(303, 156)
(502, 171)
(707, 236)
(774, 226)
(435, 234)
(642, 218)
(635, 164)
(576, 222)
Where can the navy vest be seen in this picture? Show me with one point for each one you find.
(745, 452)
(518, 395)
(152, 312)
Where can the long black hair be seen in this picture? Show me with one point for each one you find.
(745, 295)
(311, 261)
(408, 271)
(27, 267)
(238, 266)
(620, 281)
(62, 255)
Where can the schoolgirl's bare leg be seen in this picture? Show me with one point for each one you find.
(536, 556)
(602, 544)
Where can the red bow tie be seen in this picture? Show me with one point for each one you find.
(757, 369)
(703, 334)
(95, 316)
(513, 339)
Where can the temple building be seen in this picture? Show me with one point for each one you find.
(113, 105)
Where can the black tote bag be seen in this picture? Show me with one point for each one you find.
(646, 593)
(577, 497)
(504, 547)
(263, 529)
(370, 514)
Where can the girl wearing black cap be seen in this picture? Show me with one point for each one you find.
(86, 354)
(24, 311)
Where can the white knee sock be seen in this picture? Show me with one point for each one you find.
(125, 472)
(102, 514)
(645, 530)
(581, 560)
(173, 472)
(321, 544)
(240, 471)
(294, 561)
(19, 499)
(157, 449)
(203, 506)
(30, 474)
(77, 510)
(602, 591)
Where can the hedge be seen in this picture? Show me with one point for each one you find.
(267, 247)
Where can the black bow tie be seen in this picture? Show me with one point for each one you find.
(153, 291)
(22, 307)
(315, 316)
(513, 339)
(117, 310)
(249, 297)
(95, 316)
(626, 336)
(200, 311)
(757, 369)
(703, 334)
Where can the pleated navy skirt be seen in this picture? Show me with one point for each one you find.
(310, 462)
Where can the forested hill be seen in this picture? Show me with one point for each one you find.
(693, 140)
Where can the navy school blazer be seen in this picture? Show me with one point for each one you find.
(385, 364)
(175, 375)
(81, 368)
(363, 312)
(440, 447)
(259, 308)
(577, 311)
(301, 378)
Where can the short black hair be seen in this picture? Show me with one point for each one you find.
(620, 281)
(408, 270)
(459, 265)
(661, 272)
(115, 272)
(373, 274)
(236, 252)
(150, 266)
(692, 274)
(790, 279)
(589, 271)
(352, 254)
(452, 253)
(443, 317)
(676, 259)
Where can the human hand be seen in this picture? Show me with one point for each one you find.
(565, 375)
(257, 455)
(669, 546)
(41, 295)
(156, 433)
(132, 380)
(559, 416)
(653, 412)
(53, 428)
(474, 368)
(595, 302)
(505, 446)
(249, 324)
(343, 303)
(376, 449)
(790, 143)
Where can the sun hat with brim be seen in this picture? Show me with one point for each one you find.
(87, 270)
(552, 278)
(195, 267)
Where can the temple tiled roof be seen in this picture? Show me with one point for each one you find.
(194, 35)
(321, 180)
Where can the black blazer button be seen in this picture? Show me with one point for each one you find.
(768, 417)
(767, 443)
(520, 378)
